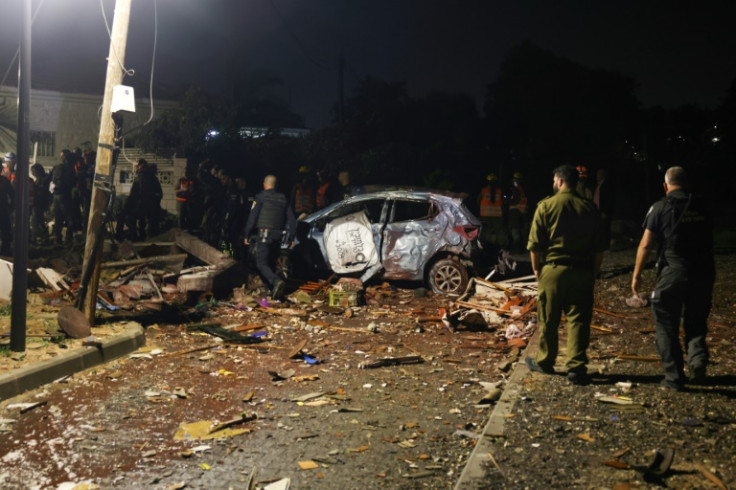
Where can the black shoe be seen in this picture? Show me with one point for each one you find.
(278, 290)
(671, 385)
(578, 378)
(697, 374)
(533, 366)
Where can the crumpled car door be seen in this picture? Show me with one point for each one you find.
(413, 234)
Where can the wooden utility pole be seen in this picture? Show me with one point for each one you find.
(105, 149)
(20, 251)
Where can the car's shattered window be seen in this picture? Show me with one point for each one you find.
(411, 210)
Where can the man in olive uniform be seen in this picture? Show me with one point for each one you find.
(681, 225)
(270, 217)
(566, 246)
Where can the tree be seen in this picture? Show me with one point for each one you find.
(546, 110)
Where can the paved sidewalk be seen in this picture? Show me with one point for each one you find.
(100, 350)
(475, 472)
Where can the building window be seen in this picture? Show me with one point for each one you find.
(165, 178)
(46, 143)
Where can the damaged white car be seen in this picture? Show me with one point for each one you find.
(428, 236)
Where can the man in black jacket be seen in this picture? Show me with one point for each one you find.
(681, 225)
(269, 219)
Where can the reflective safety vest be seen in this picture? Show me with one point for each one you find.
(521, 201)
(488, 207)
(184, 191)
(303, 199)
(322, 195)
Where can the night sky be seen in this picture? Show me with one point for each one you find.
(679, 52)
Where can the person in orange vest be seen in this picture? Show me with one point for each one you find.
(304, 193)
(583, 187)
(517, 213)
(9, 167)
(490, 203)
(325, 189)
(185, 201)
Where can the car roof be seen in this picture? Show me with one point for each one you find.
(392, 193)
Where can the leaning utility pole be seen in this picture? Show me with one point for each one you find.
(105, 149)
(20, 252)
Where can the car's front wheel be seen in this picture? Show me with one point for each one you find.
(448, 276)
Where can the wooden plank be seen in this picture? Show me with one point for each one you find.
(165, 259)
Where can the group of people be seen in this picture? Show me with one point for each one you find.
(214, 200)
(506, 210)
(65, 192)
(313, 192)
(566, 245)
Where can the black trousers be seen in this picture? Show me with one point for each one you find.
(267, 249)
(682, 296)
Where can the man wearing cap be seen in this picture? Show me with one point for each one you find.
(566, 247)
(681, 224)
(270, 218)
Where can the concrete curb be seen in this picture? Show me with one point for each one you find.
(35, 375)
(476, 470)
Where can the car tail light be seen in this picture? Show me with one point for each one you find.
(469, 232)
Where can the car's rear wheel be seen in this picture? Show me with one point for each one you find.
(448, 276)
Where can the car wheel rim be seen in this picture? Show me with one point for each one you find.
(448, 278)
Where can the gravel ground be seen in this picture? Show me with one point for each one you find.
(401, 426)
(559, 435)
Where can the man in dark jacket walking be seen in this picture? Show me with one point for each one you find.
(681, 224)
(269, 219)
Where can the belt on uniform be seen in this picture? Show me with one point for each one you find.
(571, 263)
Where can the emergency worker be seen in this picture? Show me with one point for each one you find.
(566, 248)
(236, 213)
(270, 219)
(325, 189)
(681, 224)
(491, 204)
(9, 167)
(63, 180)
(185, 201)
(40, 203)
(583, 187)
(517, 205)
(304, 193)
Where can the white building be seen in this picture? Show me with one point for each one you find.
(63, 120)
